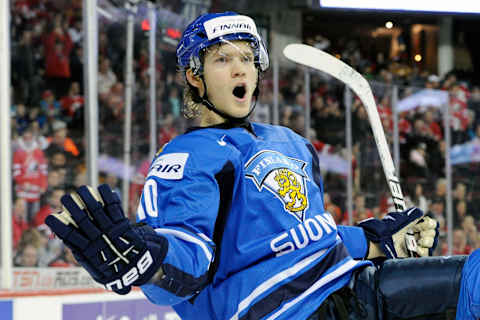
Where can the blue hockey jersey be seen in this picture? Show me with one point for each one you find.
(248, 236)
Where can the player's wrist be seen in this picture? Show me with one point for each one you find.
(157, 245)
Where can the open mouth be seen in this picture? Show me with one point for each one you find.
(240, 91)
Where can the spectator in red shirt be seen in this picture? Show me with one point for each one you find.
(332, 208)
(460, 245)
(29, 172)
(137, 183)
(434, 128)
(57, 48)
(404, 126)
(167, 130)
(73, 102)
(459, 96)
(385, 113)
(19, 220)
(53, 204)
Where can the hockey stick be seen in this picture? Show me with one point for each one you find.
(322, 61)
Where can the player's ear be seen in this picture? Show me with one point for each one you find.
(193, 79)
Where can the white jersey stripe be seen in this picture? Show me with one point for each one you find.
(317, 285)
(204, 237)
(140, 211)
(279, 277)
(187, 237)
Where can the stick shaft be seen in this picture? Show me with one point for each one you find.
(322, 61)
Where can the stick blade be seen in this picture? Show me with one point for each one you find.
(304, 54)
(319, 60)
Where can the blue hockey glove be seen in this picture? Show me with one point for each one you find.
(116, 253)
(401, 234)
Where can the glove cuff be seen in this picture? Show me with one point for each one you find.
(157, 248)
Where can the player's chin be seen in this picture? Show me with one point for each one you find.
(241, 110)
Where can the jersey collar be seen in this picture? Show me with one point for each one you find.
(226, 125)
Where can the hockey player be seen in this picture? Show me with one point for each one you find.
(231, 218)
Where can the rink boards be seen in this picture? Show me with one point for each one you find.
(92, 306)
(70, 294)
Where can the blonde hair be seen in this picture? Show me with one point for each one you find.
(30, 237)
(192, 108)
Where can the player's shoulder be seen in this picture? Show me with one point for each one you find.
(201, 140)
(198, 149)
(277, 131)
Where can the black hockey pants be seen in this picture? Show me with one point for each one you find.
(420, 289)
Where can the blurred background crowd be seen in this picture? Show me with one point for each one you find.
(48, 143)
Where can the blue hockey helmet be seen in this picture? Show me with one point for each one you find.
(212, 28)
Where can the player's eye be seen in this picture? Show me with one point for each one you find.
(221, 59)
(247, 58)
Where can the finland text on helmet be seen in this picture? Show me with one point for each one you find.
(212, 28)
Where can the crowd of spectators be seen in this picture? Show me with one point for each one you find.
(48, 144)
(421, 138)
(47, 116)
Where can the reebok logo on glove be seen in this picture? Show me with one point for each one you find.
(131, 276)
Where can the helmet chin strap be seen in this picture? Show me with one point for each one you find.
(210, 106)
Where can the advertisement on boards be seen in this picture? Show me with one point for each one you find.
(25, 279)
(6, 309)
(139, 309)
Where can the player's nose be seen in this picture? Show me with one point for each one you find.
(238, 68)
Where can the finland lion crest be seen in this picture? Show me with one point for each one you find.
(283, 176)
